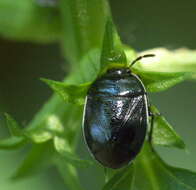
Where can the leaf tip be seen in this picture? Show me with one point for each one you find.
(12, 125)
(46, 81)
(112, 49)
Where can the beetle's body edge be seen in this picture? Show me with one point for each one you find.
(145, 104)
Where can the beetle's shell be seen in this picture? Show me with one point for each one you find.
(115, 118)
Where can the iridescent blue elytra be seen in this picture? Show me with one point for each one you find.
(115, 117)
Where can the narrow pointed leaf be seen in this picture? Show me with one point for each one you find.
(39, 135)
(112, 51)
(46, 130)
(163, 133)
(62, 147)
(122, 179)
(154, 174)
(13, 126)
(160, 81)
(17, 138)
(70, 93)
(12, 142)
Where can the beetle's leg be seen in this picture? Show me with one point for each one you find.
(151, 126)
(153, 116)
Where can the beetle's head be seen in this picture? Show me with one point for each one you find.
(118, 71)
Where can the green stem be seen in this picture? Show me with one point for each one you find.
(69, 175)
(83, 26)
(144, 162)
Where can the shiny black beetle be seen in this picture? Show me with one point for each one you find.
(116, 117)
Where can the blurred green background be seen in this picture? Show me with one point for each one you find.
(143, 25)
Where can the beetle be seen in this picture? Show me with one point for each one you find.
(116, 114)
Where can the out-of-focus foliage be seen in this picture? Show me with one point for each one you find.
(54, 131)
(27, 21)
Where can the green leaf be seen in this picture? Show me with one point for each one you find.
(91, 63)
(121, 180)
(38, 135)
(83, 27)
(157, 175)
(112, 51)
(163, 133)
(169, 61)
(26, 21)
(160, 81)
(40, 157)
(12, 142)
(70, 93)
(13, 126)
(17, 138)
(130, 53)
(166, 69)
(42, 127)
(46, 130)
(69, 175)
(65, 150)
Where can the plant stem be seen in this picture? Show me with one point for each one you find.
(83, 26)
(144, 165)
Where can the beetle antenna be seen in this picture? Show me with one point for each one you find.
(141, 57)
